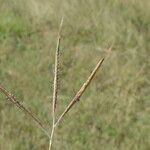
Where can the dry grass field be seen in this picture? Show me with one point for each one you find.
(113, 113)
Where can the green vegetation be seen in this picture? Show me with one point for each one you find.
(113, 113)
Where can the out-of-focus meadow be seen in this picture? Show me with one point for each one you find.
(113, 112)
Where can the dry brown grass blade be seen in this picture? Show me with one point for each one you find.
(81, 91)
(13, 99)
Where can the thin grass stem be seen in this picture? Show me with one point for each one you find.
(80, 92)
(55, 88)
(13, 99)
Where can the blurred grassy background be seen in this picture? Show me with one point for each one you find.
(113, 113)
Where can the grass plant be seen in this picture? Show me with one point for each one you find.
(114, 112)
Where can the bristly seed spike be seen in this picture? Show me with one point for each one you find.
(13, 99)
(56, 78)
(81, 91)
